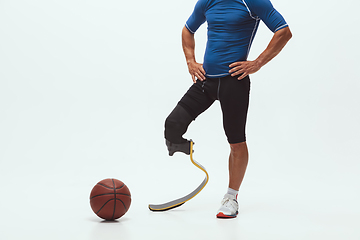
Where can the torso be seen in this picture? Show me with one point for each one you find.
(230, 32)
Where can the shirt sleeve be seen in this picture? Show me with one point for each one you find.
(197, 18)
(267, 13)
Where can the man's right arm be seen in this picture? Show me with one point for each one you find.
(196, 70)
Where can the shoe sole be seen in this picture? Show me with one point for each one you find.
(222, 215)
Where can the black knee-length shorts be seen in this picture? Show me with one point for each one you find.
(233, 95)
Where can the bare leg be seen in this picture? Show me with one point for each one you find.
(238, 161)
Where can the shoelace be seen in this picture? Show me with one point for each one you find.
(226, 201)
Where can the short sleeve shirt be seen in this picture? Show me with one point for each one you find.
(232, 25)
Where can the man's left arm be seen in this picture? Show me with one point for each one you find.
(277, 43)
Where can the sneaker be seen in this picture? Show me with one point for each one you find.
(229, 207)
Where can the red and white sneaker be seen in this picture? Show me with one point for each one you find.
(229, 207)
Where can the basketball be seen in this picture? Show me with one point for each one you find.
(110, 199)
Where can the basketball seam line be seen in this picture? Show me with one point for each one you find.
(115, 198)
(105, 186)
(111, 187)
(122, 203)
(104, 205)
(109, 194)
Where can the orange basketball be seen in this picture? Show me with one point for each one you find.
(110, 199)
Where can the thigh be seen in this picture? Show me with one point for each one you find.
(196, 100)
(234, 100)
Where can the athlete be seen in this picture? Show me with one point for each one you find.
(224, 76)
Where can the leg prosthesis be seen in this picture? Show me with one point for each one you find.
(180, 201)
(176, 125)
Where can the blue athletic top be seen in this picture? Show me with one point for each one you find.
(232, 25)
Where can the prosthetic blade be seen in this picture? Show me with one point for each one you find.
(181, 201)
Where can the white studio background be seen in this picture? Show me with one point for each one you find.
(85, 87)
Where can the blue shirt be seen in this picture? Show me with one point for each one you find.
(232, 25)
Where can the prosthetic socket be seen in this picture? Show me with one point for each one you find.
(176, 125)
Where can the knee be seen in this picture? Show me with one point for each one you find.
(238, 148)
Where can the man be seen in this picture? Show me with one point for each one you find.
(224, 76)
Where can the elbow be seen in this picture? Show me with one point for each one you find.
(288, 33)
(284, 34)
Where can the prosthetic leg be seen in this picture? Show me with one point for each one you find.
(181, 201)
(176, 125)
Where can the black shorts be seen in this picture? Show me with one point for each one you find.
(233, 95)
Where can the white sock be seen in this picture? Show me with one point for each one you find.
(232, 192)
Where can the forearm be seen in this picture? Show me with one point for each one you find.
(188, 45)
(276, 44)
